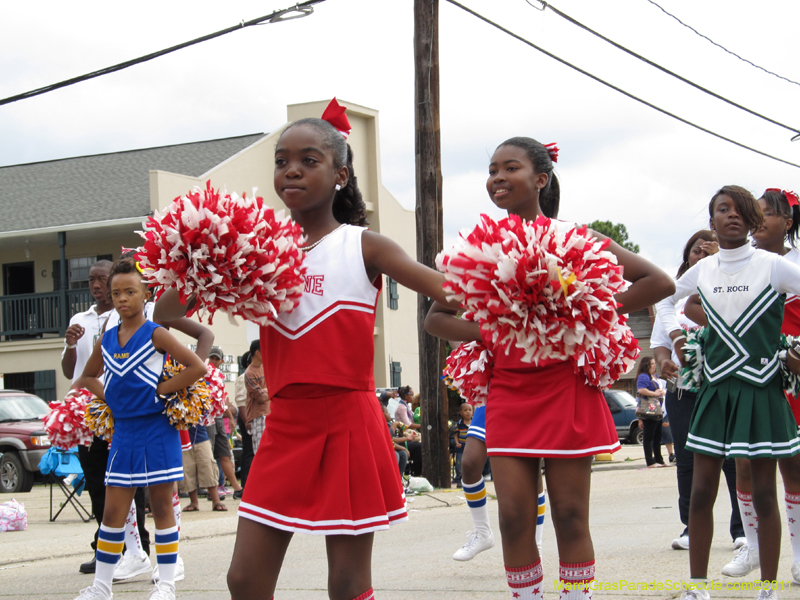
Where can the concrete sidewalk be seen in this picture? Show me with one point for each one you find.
(634, 519)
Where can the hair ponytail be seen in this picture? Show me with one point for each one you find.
(348, 204)
(550, 197)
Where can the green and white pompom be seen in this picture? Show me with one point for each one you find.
(693, 359)
(790, 381)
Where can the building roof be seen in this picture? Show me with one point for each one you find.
(101, 187)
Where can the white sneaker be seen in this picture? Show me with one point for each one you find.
(745, 561)
(767, 595)
(179, 574)
(131, 565)
(695, 595)
(94, 593)
(681, 543)
(475, 543)
(739, 542)
(162, 591)
(796, 572)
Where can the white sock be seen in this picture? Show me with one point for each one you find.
(793, 517)
(475, 493)
(132, 542)
(540, 521)
(526, 582)
(167, 554)
(110, 542)
(749, 518)
(576, 580)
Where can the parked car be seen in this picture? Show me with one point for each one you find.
(23, 441)
(623, 409)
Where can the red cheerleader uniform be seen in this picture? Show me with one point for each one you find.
(546, 411)
(325, 464)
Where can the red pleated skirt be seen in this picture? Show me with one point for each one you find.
(325, 466)
(547, 412)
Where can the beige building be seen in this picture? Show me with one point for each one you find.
(62, 215)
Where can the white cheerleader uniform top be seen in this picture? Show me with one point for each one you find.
(741, 291)
(132, 373)
(329, 338)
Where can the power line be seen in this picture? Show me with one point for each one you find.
(615, 88)
(705, 37)
(297, 11)
(664, 69)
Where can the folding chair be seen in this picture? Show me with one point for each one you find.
(58, 464)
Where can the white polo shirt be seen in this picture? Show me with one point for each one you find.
(92, 324)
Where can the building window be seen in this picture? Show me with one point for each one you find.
(395, 369)
(391, 293)
(77, 271)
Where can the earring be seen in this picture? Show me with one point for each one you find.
(337, 187)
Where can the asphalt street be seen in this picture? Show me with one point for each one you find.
(634, 519)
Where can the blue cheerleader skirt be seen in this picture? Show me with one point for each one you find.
(144, 451)
(477, 428)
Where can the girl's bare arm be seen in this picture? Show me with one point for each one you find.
(198, 331)
(195, 370)
(169, 308)
(385, 256)
(443, 323)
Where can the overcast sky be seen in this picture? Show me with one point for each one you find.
(620, 161)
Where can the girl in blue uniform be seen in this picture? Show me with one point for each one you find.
(146, 449)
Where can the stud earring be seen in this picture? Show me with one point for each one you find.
(337, 187)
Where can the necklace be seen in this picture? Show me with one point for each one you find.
(320, 240)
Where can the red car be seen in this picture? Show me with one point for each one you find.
(23, 440)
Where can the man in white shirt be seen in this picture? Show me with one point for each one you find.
(79, 339)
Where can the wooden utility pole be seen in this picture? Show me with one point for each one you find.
(430, 237)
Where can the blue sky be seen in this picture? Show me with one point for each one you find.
(620, 161)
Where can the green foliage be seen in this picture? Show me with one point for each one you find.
(617, 232)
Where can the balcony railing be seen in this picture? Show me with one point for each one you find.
(33, 315)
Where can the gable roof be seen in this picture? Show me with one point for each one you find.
(101, 187)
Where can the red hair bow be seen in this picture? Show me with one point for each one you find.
(552, 150)
(334, 114)
(791, 197)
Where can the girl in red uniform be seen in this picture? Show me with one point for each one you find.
(334, 474)
(536, 412)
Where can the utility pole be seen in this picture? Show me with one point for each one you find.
(430, 237)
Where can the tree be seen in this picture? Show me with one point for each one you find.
(618, 233)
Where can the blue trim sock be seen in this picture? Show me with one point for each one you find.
(110, 542)
(167, 554)
(475, 493)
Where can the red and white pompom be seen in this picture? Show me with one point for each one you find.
(64, 423)
(233, 253)
(469, 369)
(219, 396)
(547, 291)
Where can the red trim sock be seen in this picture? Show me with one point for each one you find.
(575, 579)
(526, 582)
(368, 595)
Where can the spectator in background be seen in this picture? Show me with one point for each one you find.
(647, 386)
(200, 471)
(257, 398)
(405, 412)
(217, 434)
(240, 397)
(459, 434)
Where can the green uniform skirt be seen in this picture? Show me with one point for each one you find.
(736, 419)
